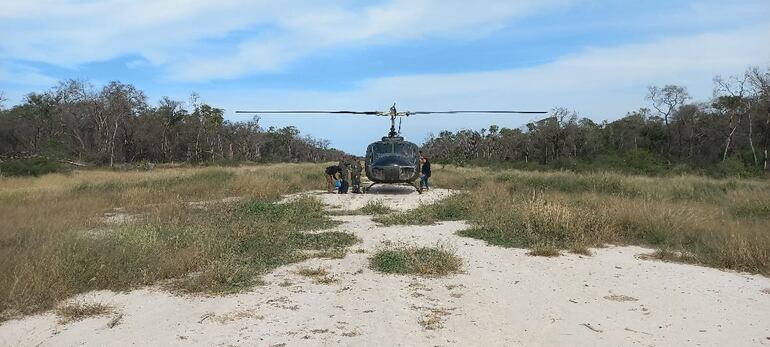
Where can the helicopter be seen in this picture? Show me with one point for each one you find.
(392, 160)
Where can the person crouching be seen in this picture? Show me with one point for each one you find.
(331, 177)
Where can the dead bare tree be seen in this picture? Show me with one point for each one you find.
(760, 83)
(730, 96)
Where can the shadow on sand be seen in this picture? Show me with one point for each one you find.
(392, 189)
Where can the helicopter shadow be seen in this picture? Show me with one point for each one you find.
(391, 189)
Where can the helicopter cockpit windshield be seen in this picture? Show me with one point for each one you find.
(382, 149)
(404, 149)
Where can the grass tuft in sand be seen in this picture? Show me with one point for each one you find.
(426, 261)
(76, 311)
(375, 207)
(320, 275)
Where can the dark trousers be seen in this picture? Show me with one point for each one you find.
(424, 181)
(356, 183)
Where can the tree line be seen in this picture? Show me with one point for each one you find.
(728, 134)
(116, 124)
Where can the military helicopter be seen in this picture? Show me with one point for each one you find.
(391, 160)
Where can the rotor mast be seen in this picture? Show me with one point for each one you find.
(393, 113)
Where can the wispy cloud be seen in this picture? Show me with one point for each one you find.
(23, 75)
(603, 74)
(600, 83)
(174, 33)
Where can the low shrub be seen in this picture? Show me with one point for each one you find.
(36, 166)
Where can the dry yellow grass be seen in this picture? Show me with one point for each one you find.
(716, 222)
(55, 240)
(176, 225)
(75, 311)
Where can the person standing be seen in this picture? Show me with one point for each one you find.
(331, 176)
(424, 173)
(355, 174)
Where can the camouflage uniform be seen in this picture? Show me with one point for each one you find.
(344, 166)
(355, 173)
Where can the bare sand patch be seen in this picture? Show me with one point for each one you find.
(399, 198)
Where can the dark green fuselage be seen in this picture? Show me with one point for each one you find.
(392, 160)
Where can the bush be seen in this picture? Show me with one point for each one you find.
(641, 161)
(30, 167)
(730, 167)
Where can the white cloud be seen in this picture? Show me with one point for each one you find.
(304, 33)
(600, 83)
(23, 75)
(176, 33)
(200, 40)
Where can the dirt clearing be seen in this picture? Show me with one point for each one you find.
(502, 297)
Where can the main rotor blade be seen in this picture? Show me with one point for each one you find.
(481, 111)
(312, 112)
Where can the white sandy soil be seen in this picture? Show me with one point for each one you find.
(503, 298)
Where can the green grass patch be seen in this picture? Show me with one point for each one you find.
(323, 241)
(570, 183)
(375, 207)
(302, 214)
(223, 249)
(36, 166)
(455, 207)
(752, 209)
(425, 261)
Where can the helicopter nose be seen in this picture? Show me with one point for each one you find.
(386, 173)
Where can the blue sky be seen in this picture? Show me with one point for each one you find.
(596, 57)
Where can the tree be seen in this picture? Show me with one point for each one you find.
(666, 100)
(115, 124)
(760, 84)
(729, 98)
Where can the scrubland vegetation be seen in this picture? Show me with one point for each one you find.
(727, 135)
(66, 234)
(216, 230)
(716, 222)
